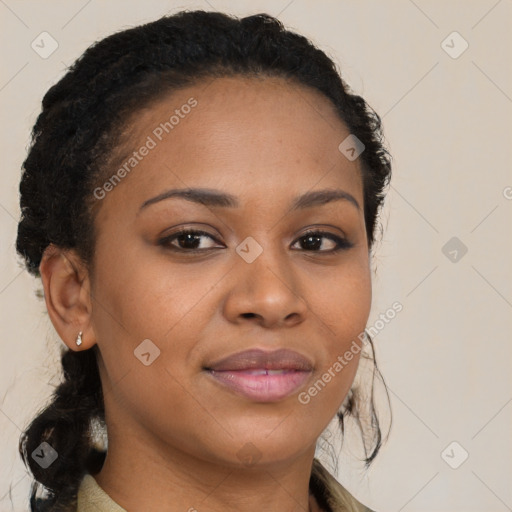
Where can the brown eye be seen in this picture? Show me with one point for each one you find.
(313, 241)
(187, 240)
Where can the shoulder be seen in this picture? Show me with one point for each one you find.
(92, 498)
(330, 494)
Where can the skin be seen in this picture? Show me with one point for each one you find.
(175, 433)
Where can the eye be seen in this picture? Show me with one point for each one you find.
(190, 240)
(187, 240)
(313, 241)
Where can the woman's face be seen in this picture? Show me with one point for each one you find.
(168, 307)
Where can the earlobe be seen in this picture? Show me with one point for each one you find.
(66, 292)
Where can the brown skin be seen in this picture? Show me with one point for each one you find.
(174, 433)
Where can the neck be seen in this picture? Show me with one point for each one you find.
(142, 475)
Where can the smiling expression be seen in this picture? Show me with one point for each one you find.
(253, 172)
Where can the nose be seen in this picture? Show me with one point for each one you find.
(266, 292)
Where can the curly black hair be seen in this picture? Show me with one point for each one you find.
(77, 132)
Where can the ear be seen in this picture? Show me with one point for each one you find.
(67, 294)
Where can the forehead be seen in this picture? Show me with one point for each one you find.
(245, 135)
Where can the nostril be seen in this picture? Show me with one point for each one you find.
(248, 315)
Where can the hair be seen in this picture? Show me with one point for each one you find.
(78, 131)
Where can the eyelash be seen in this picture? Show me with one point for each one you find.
(342, 243)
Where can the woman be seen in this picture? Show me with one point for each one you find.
(200, 200)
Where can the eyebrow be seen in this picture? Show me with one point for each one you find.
(214, 198)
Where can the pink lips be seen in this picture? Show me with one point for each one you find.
(262, 376)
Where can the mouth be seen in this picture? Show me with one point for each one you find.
(262, 376)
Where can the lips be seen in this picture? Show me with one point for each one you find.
(256, 359)
(262, 376)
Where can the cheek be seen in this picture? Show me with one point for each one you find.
(142, 294)
(135, 302)
(343, 318)
(342, 303)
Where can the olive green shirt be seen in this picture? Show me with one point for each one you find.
(330, 495)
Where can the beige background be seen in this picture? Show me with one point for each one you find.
(446, 357)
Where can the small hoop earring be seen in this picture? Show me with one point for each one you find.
(79, 338)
